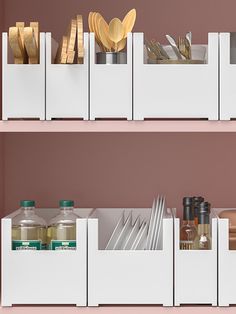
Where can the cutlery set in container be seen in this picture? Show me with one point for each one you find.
(139, 234)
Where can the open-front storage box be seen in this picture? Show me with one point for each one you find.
(227, 76)
(226, 264)
(67, 85)
(110, 85)
(176, 91)
(23, 85)
(196, 271)
(44, 276)
(128, 276)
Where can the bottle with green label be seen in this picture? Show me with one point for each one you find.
(29, 231)
(61, 233)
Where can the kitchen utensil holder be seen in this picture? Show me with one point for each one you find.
(67, 86)
(23, 85)
(175, 91)
(110, 86)
(227, 76)
(128, 276)
(45, 277)
(226, 264)
(196, 271)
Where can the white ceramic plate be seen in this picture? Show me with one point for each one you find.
(116, 232)
(131, 238)
(124, 234)
(151, 225)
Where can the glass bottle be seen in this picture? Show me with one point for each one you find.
(203, 239)
(29, 231)
(197, 200)
(188, 230)
(61, 233)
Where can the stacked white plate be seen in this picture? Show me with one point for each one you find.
(138, 235)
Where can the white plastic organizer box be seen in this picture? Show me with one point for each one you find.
(110, 86)
(226, 264)
(23, 85)
(67, 85)
(128, 276)
(227, 76)
(45, 277)
(196, 271)
(176, 91)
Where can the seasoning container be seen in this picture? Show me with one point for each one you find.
(188, 231)
(203, 238)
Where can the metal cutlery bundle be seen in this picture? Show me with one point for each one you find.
(138, 234)
(181, 50)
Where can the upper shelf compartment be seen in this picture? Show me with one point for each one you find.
(176, 90)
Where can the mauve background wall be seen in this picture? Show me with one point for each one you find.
(127, 170)
(154, 17)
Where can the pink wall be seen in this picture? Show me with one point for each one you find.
(155, 17)
(119, 169)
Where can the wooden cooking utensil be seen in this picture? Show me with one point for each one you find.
(90, 22)
(104, 34)
(16, 45)
(121, 44)
(80, 39)
(96, 18)
(21, 26)
(30, 45)
(70, 57)
(61, 55)
(129, 21)
(71, 37)
(116, 31)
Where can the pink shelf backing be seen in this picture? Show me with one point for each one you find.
(118, 126)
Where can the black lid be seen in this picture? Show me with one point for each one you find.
(187, 201)
(204, 207)
(197, 200)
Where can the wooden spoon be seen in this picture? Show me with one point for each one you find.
(121, 44)
(129, 21)
(116, 31)
(95, 19)
(104, 34)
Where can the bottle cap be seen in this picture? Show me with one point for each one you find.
(197, 200)
(187, 201)
(27, 203)
(204, 207)
(66, 203)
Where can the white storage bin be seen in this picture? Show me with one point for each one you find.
(128, 276)
(23, 85)
(227, 76)
(67, 85)
(196, 271)
(45, 277)
(226, 264)
(110, 86)
(176, 91)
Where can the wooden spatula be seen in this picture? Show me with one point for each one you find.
(71, 37)
(30, 45)
(129, 21)
(121, 44)
(16, 45)
(80, 39)
(21, 26)
(61, 55)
